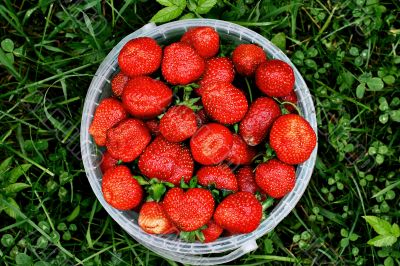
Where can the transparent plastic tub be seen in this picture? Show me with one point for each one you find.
(224, 249)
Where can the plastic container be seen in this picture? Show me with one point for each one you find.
(224, 249)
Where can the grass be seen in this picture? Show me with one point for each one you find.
(348, 52)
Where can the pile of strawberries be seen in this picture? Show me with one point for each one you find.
(187, 147)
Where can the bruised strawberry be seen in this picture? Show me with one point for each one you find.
(109, 113)
(212, 232)
(154, 126)
(178, 123)
(275, 78)
(118, 83)
(189, 210)
(239, 213)
(258, 120)
(241, 153)
(181, 64)
(140, 56)
(144, 97)
(153, 220)
(220, 175)
(211, 144)
(120, 189)
(107, 162)
(292, 138)
(205, 40)
(217, 69)
(224, 102)
(275, 178)
(127, 140)
(291, 98)
(201, 117)
(167, 161)
(246, 180)
(247, 57)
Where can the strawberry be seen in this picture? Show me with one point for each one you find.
(109, 113)
(212, 232)
(167, 161)
(220, 175)
(120, 189)
(107, 162)
(247, 57)
(246, 180)
(127, 140)
(292, 138)
(255, 125)
(181, 64)
(240, 153)
(189, 210)
(178, 123)
(140, 56)
(201, 118)
(153, 219)
(183, 167)
(239, 213)
(217, 69)
(292, 98)
(276, 178)
(118, 83)
(154, 126)
(224, 102)
(205, 40)
(211, 144)
(275, 78)
(144, 97)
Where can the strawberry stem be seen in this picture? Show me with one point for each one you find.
(285, 110)
(186, 100)
(249, 89)
(267, 203)
(192, 236)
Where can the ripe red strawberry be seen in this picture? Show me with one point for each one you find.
(275, 78)
(220, 175)
(109, 113)
(224, 102)
(127, 140)
(154, 126)
(154, 220)
(183, 167)
(246, 180)
(292, 98)
(189, 210)
(140, 56)
(212, 232)
(276, 178)
(167, 161)
(211, 144)
(247, 57)
(292, 138)
(107, 162)
(144, 97)
(258, 120)
(239, 213)
(205, 40)
(120, 189)
(178, 123)
(181, 64)
(118, 83)
(217, 69)
(240, 153)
